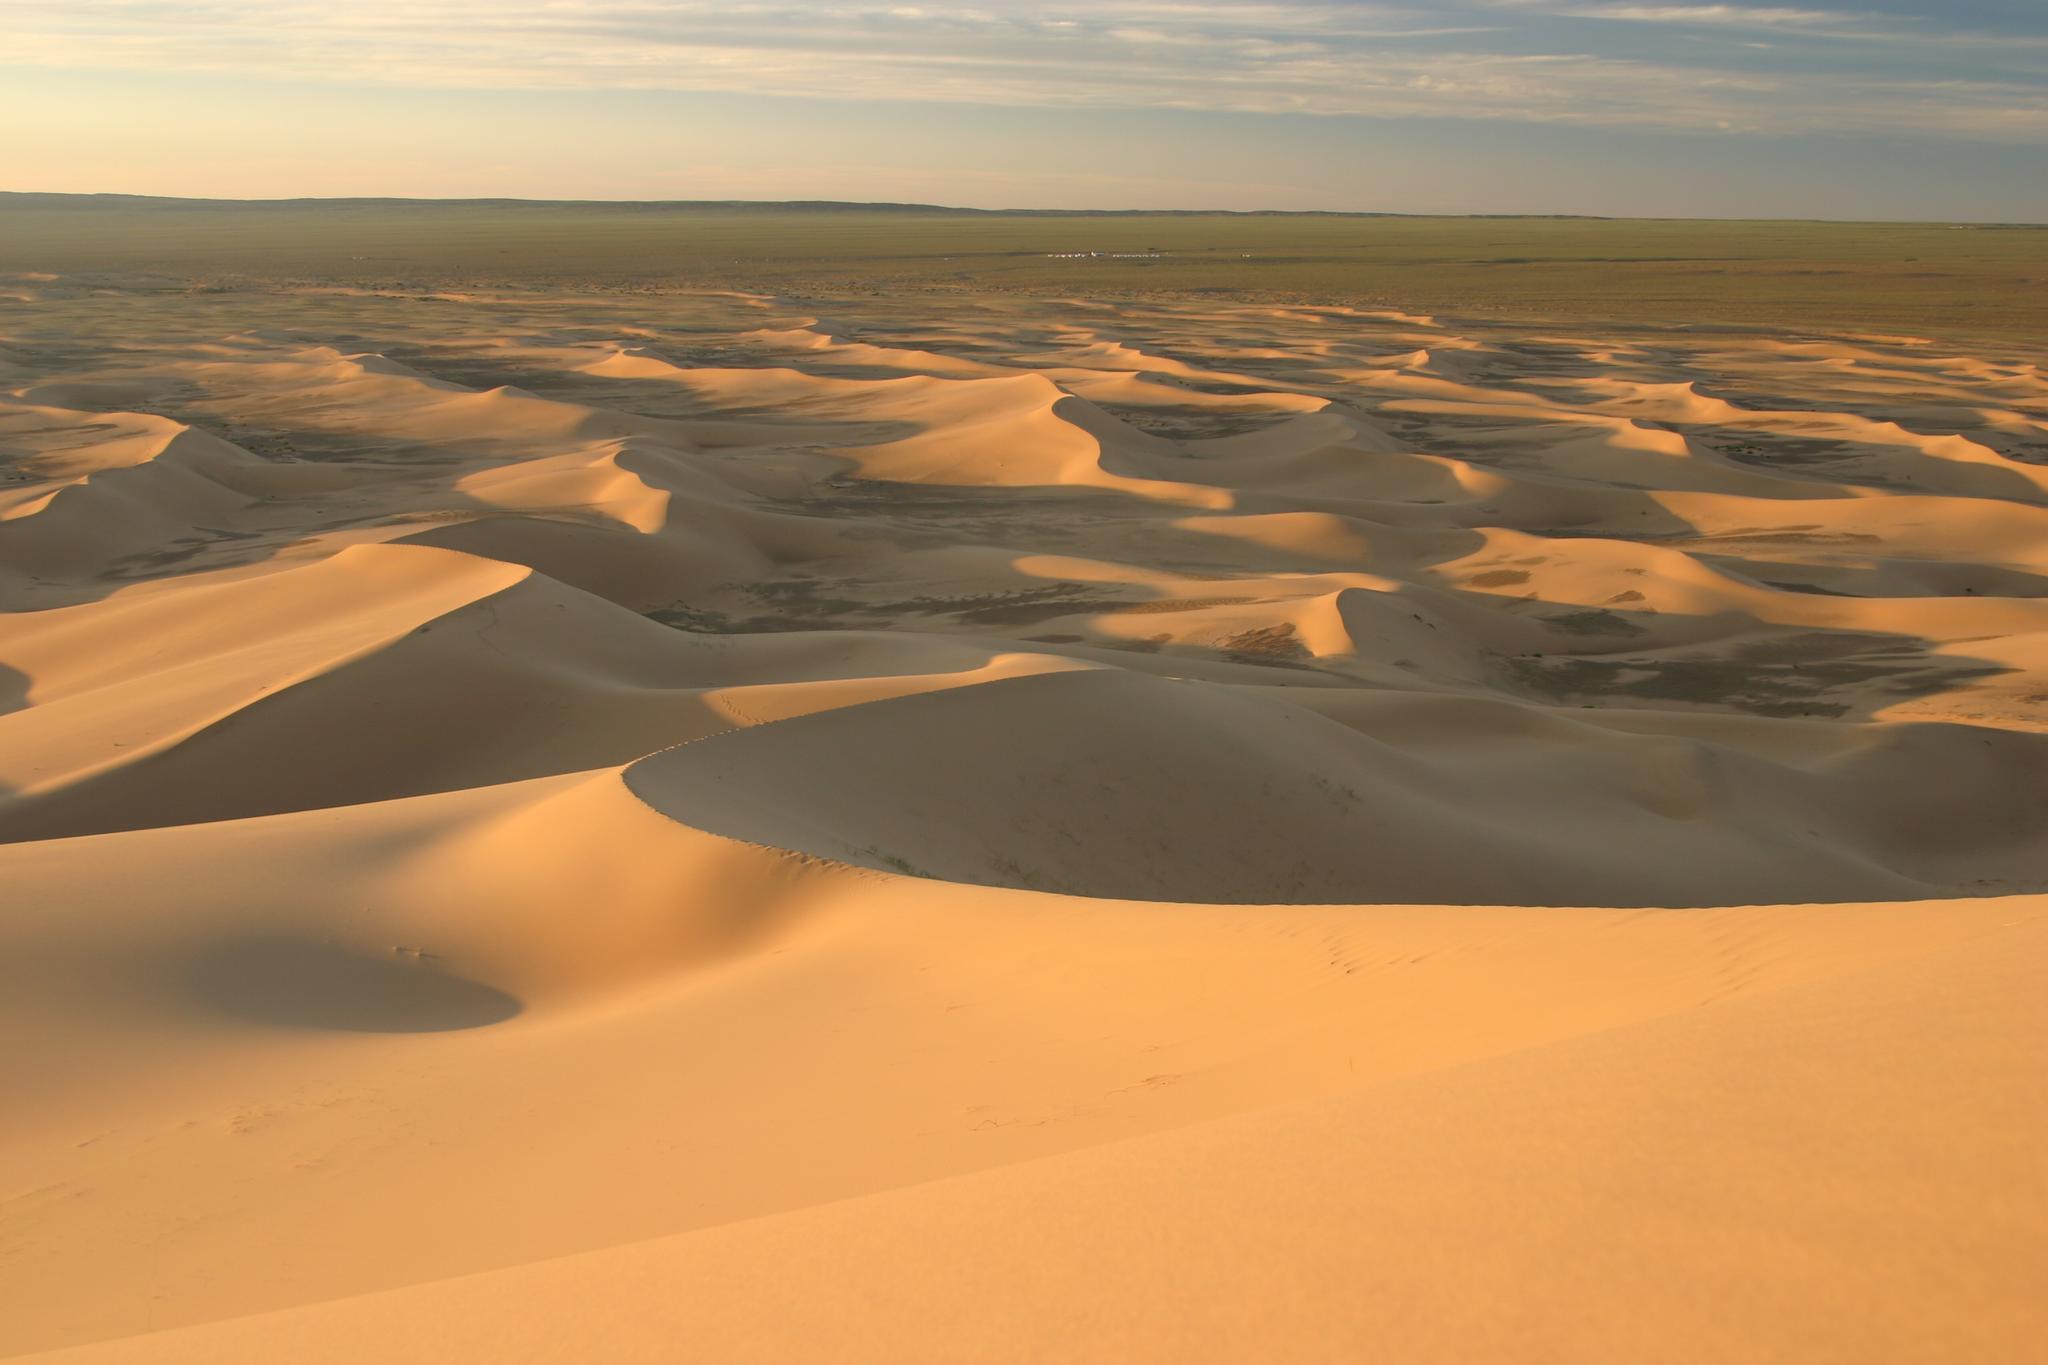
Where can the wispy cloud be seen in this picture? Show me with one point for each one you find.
(1697, 16)
(1462, 59)
(1942, 26)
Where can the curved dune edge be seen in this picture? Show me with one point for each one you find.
(995, 1026)
(1114, 784)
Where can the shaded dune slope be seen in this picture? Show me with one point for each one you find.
(1107, 783)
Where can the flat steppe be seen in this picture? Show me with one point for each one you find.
(653, 784)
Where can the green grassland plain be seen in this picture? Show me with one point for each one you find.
(1938, 280)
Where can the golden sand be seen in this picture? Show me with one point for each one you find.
(680, 828)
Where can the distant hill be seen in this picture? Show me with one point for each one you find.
(38, 199)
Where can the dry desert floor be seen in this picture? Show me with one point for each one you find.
(651, 827)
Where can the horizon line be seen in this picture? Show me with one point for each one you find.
(107, 198)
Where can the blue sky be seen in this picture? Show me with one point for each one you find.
(1858, 108)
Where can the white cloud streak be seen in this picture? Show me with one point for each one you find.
(1704, 16)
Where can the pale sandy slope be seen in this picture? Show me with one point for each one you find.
(553, 828)
(1847, 1171)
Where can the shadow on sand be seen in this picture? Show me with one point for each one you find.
(291, 983)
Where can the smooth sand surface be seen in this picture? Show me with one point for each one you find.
(544, 826)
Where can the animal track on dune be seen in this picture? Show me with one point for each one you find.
(1825, 555)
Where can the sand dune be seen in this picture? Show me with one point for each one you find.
(704, 826)
(1544, 1185)
(1090, 784)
